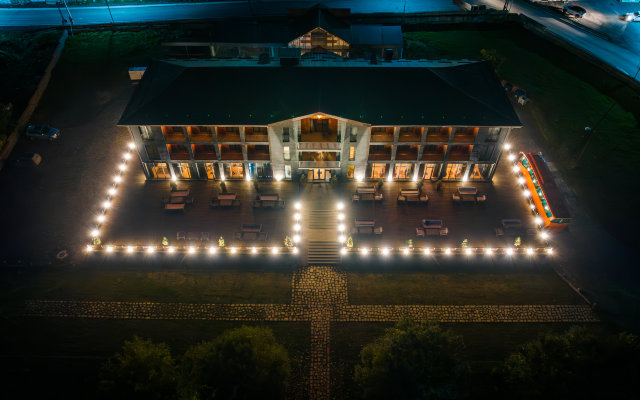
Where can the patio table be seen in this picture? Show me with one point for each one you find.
(432, 223)
(180, 193)
(171, 206)
(467, 190)
(177, 200)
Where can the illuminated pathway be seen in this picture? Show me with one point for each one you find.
(319, 296)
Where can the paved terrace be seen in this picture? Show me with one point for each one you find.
(138, 217)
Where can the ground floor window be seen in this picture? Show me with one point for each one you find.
(350, 169)
(287, 171)
(210, 170)
(234, 170)
(454, 171)
(377, 171)
(480, 172)
(184, 171)
(431, 171)
(403, 171)
(159, 171)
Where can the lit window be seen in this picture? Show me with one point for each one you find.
(287, 171)
(287, 153)
(350, 170)
(352, 153)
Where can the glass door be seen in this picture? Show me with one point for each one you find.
(184, 171)
(211, 172)
(454, 171)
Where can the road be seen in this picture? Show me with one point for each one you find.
(621, 58)
(624, 59)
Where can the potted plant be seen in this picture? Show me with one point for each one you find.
(221, 241)
(288, 243)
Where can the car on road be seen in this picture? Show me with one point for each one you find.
(42, 132)
(29, 159)
(574, 11)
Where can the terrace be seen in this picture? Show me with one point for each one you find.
(256, 134)
(409, 153)
(228, 134)
(410, 134)
(465, 135)
(382, 134)
(460, 153)
(173, 134)
(204, 152)
(433, 152)
(319, 129)
(200, 133)
(178, 152)
(231, 152)
(380, 153)
(258, 152)
(438, 134)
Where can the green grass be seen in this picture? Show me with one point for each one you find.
(567, 95)
(65, 355)
(205, 286)
(502, 287)
(486, 347)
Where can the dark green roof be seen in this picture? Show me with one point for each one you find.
(184, 93)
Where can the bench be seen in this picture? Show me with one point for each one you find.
(268, 201)
(366, 193)
(411, 196)
(225, 200)
(174, 207)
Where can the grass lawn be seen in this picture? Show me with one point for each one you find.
(190, 286)
(500, 287)
(487, 345)
(65, 355)
(567, 95)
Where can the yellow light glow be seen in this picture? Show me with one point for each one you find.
(516, 168)
(526, 193)
(340, 206)
(278, 177)
(212, 250)
(529, 251)
(117, 179)
(405, 251)
(89, 247)
(507, 146)
(101, 218)
(109, 249)
(106, 204)
(343, 251)
(129, 249)
(509, 251)
(447, 251)
(427, 252)
(341, 227)
(364, 251)
(488, 251)
(340, 217)
(94, 233)
(127, 156)
(468, 252)
(298, 205)
(549, 250)
(122, 167)
(538, 220)
(385, 251)
(132, 145)
(192, 249)
(342, 238)
(544, 235)
(151, 249)
(171, 249)
(296, 216)
(521, 180)
(296, 238)
(296, 227)
(295, 250)
(233, 250)
(274, 250)
(511, 157)
(112, 191)
(254, 250)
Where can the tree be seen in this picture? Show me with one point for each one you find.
(576, 364)
(143, 370)
(243, 363)
(349, 242)
(413, 361)
(220, 241)
(288, 243)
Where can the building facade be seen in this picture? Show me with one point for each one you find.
(430, 123)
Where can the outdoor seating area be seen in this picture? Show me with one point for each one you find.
(251, 232)
(468, 194)
(366, 227)
(177, 201)
(271, 200)
(412, 196)
(225, 200)
(432, 227)
(366, 193)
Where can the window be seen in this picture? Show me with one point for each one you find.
(403, 171)
(152, 151)
(320, 125)
(287, 153)
(430, 171)
(145, 133)
(184, 170)
(160, 171)
(377, 171)
(350, 170)
(454, 171)
(287, 171)
(236, 170)
(493, 134)
(285, 134)
(354, 134)
(352, 153)
(211, 172)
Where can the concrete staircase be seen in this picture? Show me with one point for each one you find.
(321, 229)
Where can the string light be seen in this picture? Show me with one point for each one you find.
(427, 252)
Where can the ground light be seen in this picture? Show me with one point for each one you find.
(506, 146)
(296, 216)
(544, 235)
(529, 251)
(427, 252)
(342, 238)
(101, 218)
(296, 238)
(109, 249)
(298, 205)
(106, 205)
(132, 145)
(516, 168)
(192, 250)
(254, 250)
(364, 251)
(212, 250)
(340, 217)
(488, 251)
(549, 251)
(296, 227)
(95, 233)
(538, 220)
(340, 206)
(468, 251)
(385, 251)
(233, 250)
(89, 247)
(129, 249)
(295, 250)
(405, 251)
(447, 251)
(151, 249)
(509, 251)
(343, 250)
(171, 249)
(274, 250)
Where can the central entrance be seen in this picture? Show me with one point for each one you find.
(319, 175)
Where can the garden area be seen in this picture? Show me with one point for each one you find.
(567, 94)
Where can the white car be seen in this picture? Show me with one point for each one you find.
(574, 11)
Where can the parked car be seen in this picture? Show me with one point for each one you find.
(28, 159)
(42, 132)
(574, 11)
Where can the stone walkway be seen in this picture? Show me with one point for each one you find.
(319, 296)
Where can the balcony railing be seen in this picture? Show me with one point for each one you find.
(201, 137)
(225, 137)
(204, 155)
(379, 156)
(231, 155)
(319, 146)
(256, 137)
(432, 156)
(319, 164)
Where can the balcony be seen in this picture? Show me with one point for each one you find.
(258, 152)
(319, 129)
(178, 152)
(256, 134)
(410, 134)
(230, 152)
(382, 134)
(433, 153)
(320, 146)
(438, 134)
(459, 153)
(465, 135)
(203, 152)
(409, 153)
(380, 153)
(200, 134)
(228, 134)
(173, 134)
(319, 164)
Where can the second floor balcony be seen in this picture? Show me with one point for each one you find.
(380, 153)
(173, 134)
(203, 152)
(258, 152)
(178, 152)
(256, 134)
(319, 129)
(438, 134)
(228, 134)
(460, 153)
(382, 134)
(465, 135)
(409, 153)
(433, 152)
(410, 134)
(230, 152)
(200, 133)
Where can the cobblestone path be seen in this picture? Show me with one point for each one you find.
(319, 296)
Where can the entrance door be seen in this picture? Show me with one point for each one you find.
(318, 174)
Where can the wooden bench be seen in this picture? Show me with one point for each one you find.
(174, 207)
(411, 196)
(366, 193)
(268, 201)
(225, 200)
